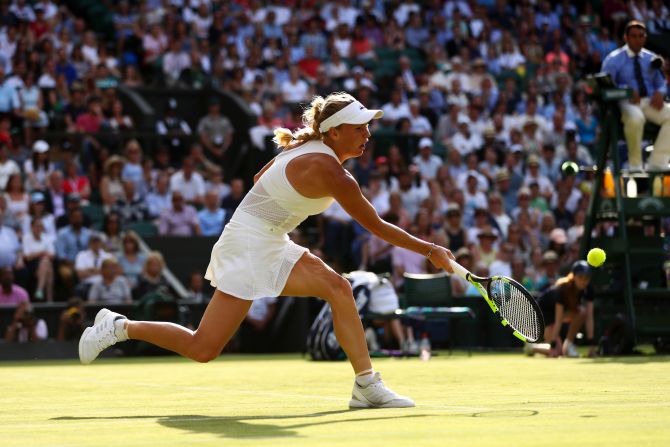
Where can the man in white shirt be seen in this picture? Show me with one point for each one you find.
(295, 89)
(465, 141)
(189, 182)
(174, 62)
(418, 124)
(395, 108)
(88, 262)
(427, 162)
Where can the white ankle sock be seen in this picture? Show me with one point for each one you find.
(120, 329)
(365, 378)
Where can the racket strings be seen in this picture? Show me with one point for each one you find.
(515, 306)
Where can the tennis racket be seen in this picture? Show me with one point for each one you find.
(510, 301)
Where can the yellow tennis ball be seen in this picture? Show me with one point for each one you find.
(596, 257)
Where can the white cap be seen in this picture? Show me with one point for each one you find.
(354, 113)
(40, 146)
(425, 142)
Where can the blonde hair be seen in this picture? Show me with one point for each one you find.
(153, 256)
(319, 109)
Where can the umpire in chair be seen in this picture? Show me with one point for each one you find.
(632, 66)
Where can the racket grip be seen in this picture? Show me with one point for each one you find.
(459, 269)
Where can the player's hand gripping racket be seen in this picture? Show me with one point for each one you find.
(510, 301)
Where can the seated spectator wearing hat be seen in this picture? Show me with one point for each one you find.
(38, 167)
(481, 222)
(25, 326)
(11, 293)
(485, 251)
(112, 287)
(523, 200)
(39, 252)
(111, 184)
(533, 176)
(427, 162)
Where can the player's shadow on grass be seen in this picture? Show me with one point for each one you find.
(245, 426)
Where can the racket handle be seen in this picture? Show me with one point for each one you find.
(459, 269)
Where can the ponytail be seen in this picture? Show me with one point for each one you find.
(319, 109)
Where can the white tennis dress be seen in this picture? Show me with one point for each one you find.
(254, 255)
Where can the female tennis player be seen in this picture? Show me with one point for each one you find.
(254, 257)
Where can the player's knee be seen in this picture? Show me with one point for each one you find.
(205, 355)
(339, 289)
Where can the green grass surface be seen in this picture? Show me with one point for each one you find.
(482, 400)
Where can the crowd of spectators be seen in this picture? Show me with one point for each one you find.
(483, 101)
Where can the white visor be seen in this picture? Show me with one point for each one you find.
(354, 113)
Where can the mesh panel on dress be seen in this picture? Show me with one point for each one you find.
(284, 271)
(258, 203)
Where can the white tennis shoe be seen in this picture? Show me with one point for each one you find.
(570, 350)
(376, 395)
(98, 337)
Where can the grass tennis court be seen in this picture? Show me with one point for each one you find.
(479, 400)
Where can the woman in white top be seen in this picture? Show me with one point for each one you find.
(38, 167)
(17, 199)
(255, 258)
(38, 252)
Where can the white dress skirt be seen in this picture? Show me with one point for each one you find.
(250, 264)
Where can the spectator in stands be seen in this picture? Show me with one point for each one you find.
(485, 251)
(16, 197)
(175, 60)
(37, 210)
(179, 220)
(111, 185)
(112, 232)
(54, 195)
(75, 183)
(71, 239)
(10, 246)
(132, 168)
(174, 130)
(71, 320)
(255, 328)
(234, 198)
(195, 288)
(11, 293)
(151, 279)
(25, 326)
(118, 121)
(215, 125)
(406, 261)
(29, 106)
(188, 182)
(39, 252)
(88, 263)
(131, 259)
(7, 166)
(159, 198)
(212, 216)
(112, 288)
(132, 208)
(427, 162)
(38, 167)
(632, 66)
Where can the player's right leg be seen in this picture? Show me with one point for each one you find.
(222, 317)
